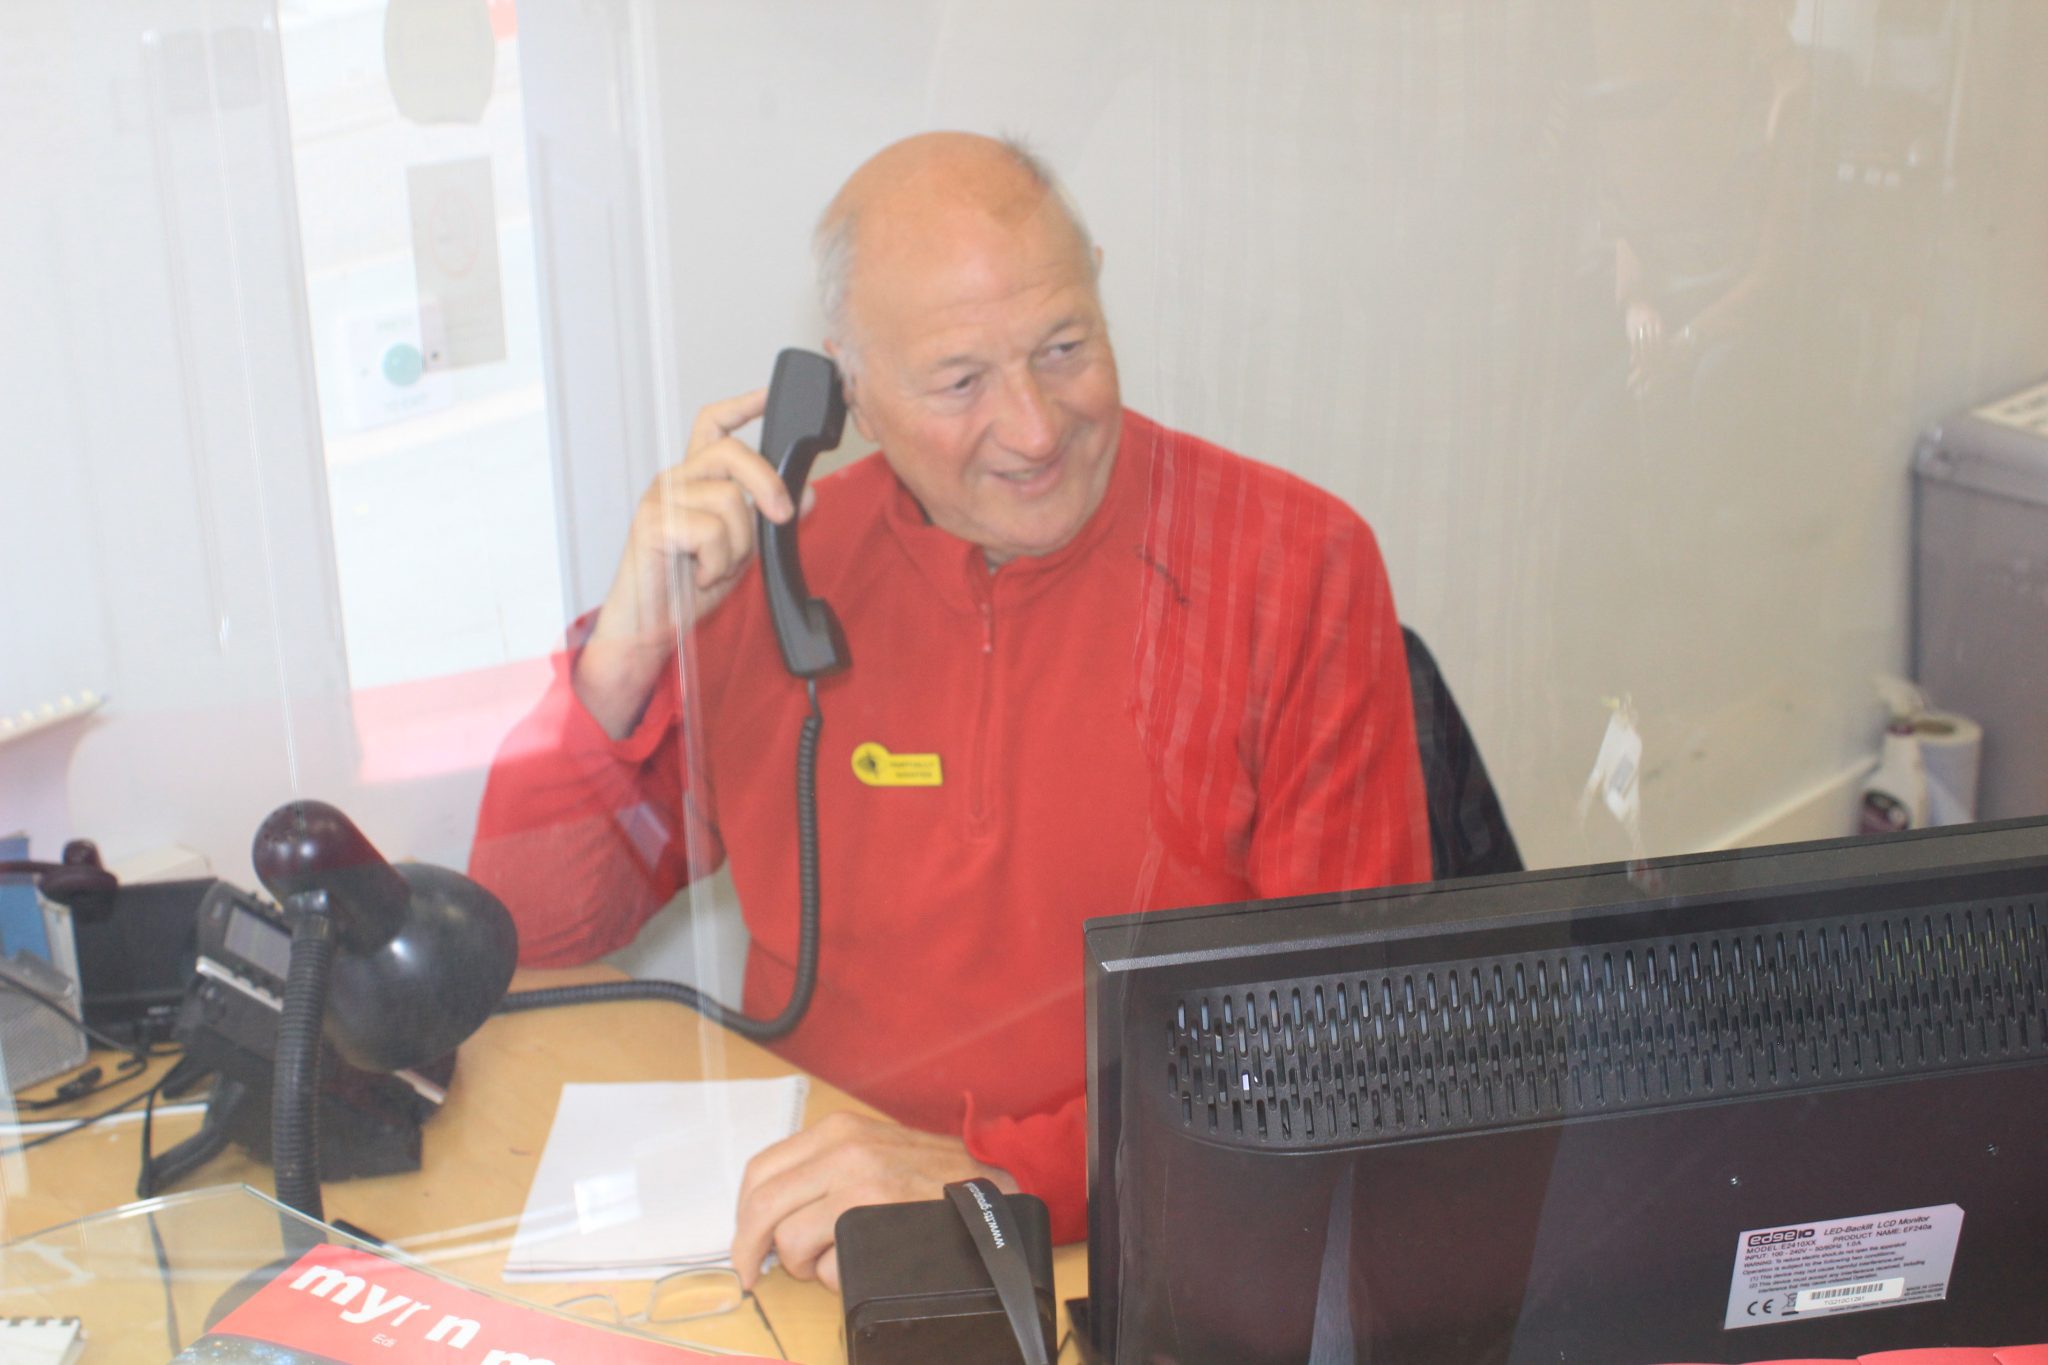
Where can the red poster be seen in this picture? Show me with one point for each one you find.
(340, 1306)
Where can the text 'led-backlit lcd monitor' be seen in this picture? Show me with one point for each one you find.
(1790, 1102)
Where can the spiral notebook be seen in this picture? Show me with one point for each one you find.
(642, 1178)
(40, 1341)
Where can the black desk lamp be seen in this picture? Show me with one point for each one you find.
(395, 965)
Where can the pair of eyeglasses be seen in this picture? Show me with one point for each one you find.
(681, 1296)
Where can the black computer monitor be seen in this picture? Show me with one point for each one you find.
(1733, 1107)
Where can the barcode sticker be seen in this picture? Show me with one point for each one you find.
(1849, 1295)
(1842, 1265)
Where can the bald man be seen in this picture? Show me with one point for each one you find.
(1153, 673)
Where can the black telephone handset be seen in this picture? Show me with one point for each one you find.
(806, 414)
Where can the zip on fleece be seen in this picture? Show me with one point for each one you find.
(978, 801)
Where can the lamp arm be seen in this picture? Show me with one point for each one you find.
(79, 882)
(295, 1090)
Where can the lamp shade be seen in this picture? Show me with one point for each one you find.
(423, 954)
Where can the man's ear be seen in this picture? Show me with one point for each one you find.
(849, 388)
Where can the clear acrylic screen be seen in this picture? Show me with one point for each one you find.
(343, 338)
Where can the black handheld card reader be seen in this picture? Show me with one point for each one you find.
(966, 1278)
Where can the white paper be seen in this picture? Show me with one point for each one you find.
(1617, 769)
(642, 1178)
(40, 1341)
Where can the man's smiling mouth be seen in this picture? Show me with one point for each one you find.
(1036, 474)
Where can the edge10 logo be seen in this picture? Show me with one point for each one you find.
(1765, 1239)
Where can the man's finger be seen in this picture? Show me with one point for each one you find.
(726, 536)
(733, 461)
(764, 1204)
(778, 1158)
(716, 421)
(806, 1235)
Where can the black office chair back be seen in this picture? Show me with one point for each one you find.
(1468, 830)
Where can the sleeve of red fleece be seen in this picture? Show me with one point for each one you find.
(1047, 1153)
(585, 837)
(1340, 784)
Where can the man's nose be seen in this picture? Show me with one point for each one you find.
(1027, 423)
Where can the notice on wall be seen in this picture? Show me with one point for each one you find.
(455, 263)
(1842, 1265)
(2027, 410)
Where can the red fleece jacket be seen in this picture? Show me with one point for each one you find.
(1201, 698)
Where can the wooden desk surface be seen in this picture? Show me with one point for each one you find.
(457, 1213)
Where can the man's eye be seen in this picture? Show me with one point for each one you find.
(964, 384)
(1061, 350)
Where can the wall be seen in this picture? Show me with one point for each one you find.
(161, 453)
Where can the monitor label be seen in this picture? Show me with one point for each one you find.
(1842, 1265)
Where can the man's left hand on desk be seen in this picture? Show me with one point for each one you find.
(793, 1193)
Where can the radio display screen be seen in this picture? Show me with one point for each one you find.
(257, 940)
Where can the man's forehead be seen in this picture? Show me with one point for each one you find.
(970, 272)
(946, 231)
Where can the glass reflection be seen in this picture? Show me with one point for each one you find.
(1618, 321)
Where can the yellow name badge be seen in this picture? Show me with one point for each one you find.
(878, 767)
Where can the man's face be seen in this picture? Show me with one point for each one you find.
(986, 376)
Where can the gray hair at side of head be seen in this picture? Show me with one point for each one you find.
(832, 247)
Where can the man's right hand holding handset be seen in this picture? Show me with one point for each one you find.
(696, 519)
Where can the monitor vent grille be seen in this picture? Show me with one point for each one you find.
(1492, 1042)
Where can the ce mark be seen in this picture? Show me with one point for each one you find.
(1762, 1307)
